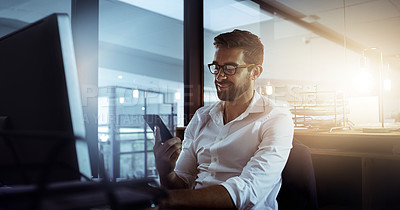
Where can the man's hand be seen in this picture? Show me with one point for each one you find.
(166, 153)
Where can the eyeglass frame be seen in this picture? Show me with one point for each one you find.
(224, 69)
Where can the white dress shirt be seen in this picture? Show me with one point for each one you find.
(246, 156)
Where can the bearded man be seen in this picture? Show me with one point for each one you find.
(234, 151)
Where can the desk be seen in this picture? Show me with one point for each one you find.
(355, 170)
(135, 194)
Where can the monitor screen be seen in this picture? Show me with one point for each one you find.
(40, 100)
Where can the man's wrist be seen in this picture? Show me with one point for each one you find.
(172, 181)
(166, 176)
(168, 180)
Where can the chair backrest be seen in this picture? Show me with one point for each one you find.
(298, 189)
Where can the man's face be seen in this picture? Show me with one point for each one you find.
(230, 87)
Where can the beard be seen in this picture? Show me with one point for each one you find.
(233, 92)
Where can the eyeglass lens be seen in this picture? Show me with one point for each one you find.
(228, 69)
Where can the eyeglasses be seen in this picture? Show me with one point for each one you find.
(229, 69)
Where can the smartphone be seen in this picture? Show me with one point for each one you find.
(155, 120)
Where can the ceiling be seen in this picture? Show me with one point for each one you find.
(236, 13)
(366, 23)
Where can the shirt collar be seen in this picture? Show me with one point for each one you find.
(256, 105)
(216, 113)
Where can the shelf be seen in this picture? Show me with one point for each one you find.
(318, 109)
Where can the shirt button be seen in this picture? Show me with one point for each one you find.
(220, 139)
(215, 159)
(212, 174)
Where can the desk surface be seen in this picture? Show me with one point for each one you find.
(350, 142)
(347, 133)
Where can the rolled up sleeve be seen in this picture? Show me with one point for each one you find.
(261, 177)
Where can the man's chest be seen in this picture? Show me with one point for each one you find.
(232, 144)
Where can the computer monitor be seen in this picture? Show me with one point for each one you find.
(40, 99)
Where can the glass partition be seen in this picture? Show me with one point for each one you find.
(140, 72)
(298, 60)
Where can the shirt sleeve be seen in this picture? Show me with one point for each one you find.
(261, 177)
(186, 165)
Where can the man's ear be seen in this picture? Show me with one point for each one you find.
(256, 72)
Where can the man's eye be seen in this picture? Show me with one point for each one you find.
(229, 67)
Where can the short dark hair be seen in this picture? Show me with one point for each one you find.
(252, 47)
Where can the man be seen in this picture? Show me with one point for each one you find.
(234, 151)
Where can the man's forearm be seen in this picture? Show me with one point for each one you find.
(214, 197)
(172, 181)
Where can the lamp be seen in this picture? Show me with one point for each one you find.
(380, 80)
(135, 93)
(121, 100)
(177, 96)
(387, 83)
(269, 89)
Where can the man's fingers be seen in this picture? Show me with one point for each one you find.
(167, 148)
(176, 154)
(174, 146)
(157, 136)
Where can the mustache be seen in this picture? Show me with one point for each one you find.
(222, 83)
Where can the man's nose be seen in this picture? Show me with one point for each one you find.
(221, 74)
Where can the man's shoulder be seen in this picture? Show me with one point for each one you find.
(201, 117)
(203, 114)
(273, 110)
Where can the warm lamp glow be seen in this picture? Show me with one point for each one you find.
(364, 81)
(387, 84)
(269, 89)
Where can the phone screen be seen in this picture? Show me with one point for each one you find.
(155, 120)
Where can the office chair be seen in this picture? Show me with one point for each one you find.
(298, 189)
